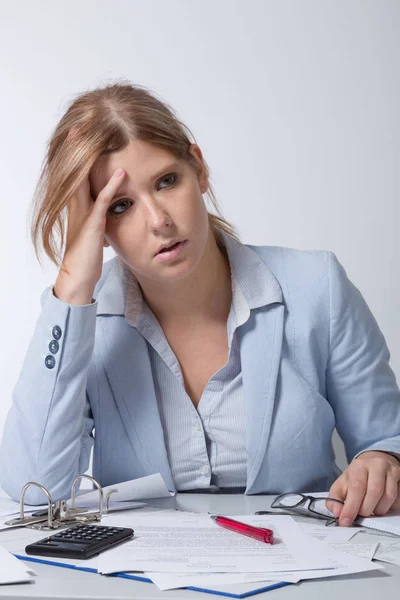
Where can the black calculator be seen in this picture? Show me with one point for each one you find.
(80, 541)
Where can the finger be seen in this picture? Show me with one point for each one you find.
(389, 498)
(79, 208)
(338, 491)
(83, 208)
(357, 487)
(376, 485)
(396, 503)
(105, 196)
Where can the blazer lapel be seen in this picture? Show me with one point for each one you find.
(127, 364)
(260, 340)
(260, 350)
(128, 368)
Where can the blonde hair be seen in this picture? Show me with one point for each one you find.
(107, 119)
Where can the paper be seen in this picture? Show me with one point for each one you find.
(361, 550)
(389, 523)
(194, 543)
(342, 563)
(151, 486)
(170, 581)
(92, 504)
(13, 570)
(388, 552)
(329, 534)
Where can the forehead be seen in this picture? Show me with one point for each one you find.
(140, 160)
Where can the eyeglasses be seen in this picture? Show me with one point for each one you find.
(297, 503)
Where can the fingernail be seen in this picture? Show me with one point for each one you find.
(346, 522)
(119, 172)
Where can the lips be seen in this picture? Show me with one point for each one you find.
(171, 244)
(169, 247)
(170, 254)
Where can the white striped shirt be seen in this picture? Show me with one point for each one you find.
(206, 446)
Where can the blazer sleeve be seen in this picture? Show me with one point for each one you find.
(48, 434)
(361, 386)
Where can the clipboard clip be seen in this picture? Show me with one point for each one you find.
(58, 515)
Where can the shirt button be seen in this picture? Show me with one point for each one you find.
(49, 361)
(54, 346)
(204, 470)
(56, 332)
(197, 427)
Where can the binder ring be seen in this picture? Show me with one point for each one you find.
(49, 501)
(108, 500)
(73, 506)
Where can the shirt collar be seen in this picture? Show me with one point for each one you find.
(253, 284)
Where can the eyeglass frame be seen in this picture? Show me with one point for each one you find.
(304, 498)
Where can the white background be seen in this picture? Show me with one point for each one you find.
(295, 105)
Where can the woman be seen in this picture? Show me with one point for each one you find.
(218, 364)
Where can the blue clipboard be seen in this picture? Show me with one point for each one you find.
(53, 563)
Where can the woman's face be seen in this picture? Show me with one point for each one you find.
(159, 199)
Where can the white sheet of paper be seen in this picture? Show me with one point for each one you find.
(342, 563)
(194, 543)
(151, 486)
(170, 581)
(13, 570)
(366, 551)
(388, 552)
(92, 504)
(329, 534)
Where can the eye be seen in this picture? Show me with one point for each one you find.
(174, 177)
(121, 204)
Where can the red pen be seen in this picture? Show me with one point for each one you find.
(259, 533)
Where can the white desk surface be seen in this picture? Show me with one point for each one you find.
(60, 583)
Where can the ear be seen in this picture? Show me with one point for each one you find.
(202, 175)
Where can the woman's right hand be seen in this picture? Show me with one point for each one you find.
(83, 258)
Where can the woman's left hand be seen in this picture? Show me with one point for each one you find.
(370, 484)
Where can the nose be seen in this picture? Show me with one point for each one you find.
(156, 215)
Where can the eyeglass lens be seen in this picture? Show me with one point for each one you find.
(304, 506)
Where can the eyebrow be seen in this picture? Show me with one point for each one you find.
(174, 165)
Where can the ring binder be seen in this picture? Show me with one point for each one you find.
(58, 514)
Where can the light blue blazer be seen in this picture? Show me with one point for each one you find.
(313, 357)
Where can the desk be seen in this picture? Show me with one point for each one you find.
(61, 583)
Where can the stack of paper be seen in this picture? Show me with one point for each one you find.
(185, 549)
